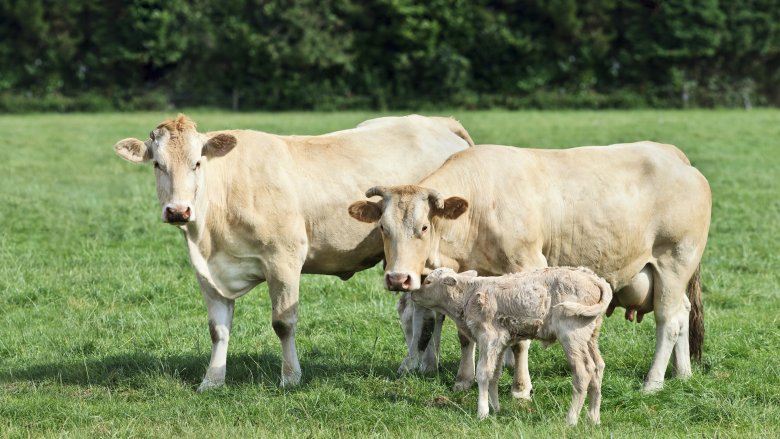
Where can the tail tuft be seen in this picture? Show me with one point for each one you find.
(696, 316)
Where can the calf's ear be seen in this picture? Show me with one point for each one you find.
(219, 145)
(453, 208)
(449, 280)
(133, 150)
(365, 211)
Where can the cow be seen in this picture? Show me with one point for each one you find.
(637, 214)
(255, 207)
(562, 303)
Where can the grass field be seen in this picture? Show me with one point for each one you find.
(103, 330)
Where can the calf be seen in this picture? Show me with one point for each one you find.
(564, 304)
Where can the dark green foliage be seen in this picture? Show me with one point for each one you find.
(336, 54)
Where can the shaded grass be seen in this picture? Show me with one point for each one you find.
(103, 331)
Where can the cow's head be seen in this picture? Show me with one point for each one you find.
(179, 155)
(405, 215)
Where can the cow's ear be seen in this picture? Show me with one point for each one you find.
(453, 208)
(219, 145)
(366, 211)
(133, 150)
(470, 273)
(449, 280)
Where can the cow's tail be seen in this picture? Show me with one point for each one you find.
(578, 309)
(696, 316)
(456, 128)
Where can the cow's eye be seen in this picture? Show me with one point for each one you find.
(197, 165)
(424, 228)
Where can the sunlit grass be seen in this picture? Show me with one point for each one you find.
(103, 330)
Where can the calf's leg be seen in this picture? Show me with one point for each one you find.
(594, 390)
(577, 354)
(521, 379)
(220, 313)
(488, 357)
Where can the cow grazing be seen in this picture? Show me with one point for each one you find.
(257, 207)
(548, 304)
(637, 214)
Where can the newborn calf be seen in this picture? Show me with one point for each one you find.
(564, 304)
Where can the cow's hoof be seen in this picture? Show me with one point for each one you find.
(482, 415)
(524, 394)
(428, 367)
(208, 384)
(652, 386)
(291, 380)
(409, 365)
(462, 386)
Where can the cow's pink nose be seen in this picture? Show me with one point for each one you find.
(177, 214)
(398, 281)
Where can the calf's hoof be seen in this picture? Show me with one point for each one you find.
(208, 384)
(482, 415)
(571, 420)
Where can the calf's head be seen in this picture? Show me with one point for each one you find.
(405, 215)
(442, 286)
(178, 153)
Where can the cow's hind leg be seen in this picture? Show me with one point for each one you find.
(283, 288)
(671, 309)
(220, 313)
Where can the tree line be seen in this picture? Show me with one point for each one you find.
(89, 55)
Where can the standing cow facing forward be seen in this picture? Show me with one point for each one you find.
(637, 214)
(257, 207)
(548, 304)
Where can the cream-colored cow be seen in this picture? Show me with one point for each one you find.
(259, 207)
(637, 214)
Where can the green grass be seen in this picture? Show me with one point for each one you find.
(103, 330)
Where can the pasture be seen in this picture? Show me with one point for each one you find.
(103, 331)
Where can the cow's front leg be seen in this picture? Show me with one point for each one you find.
(430, 359)
(423, 324)
(283, 288)
(220, 312)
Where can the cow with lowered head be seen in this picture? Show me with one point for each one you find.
(637, 214)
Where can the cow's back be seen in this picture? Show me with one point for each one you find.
(306, 183)
(606, 207)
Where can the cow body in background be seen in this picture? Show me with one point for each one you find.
(257, 207)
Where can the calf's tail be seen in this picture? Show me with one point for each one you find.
(578, 309)
(696, 316)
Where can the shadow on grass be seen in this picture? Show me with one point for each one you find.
(136, 370)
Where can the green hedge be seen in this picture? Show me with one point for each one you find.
(90, 55)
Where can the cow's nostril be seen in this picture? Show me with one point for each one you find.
(407, 282)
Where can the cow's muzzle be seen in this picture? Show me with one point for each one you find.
(177, 215)
(400, 281)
